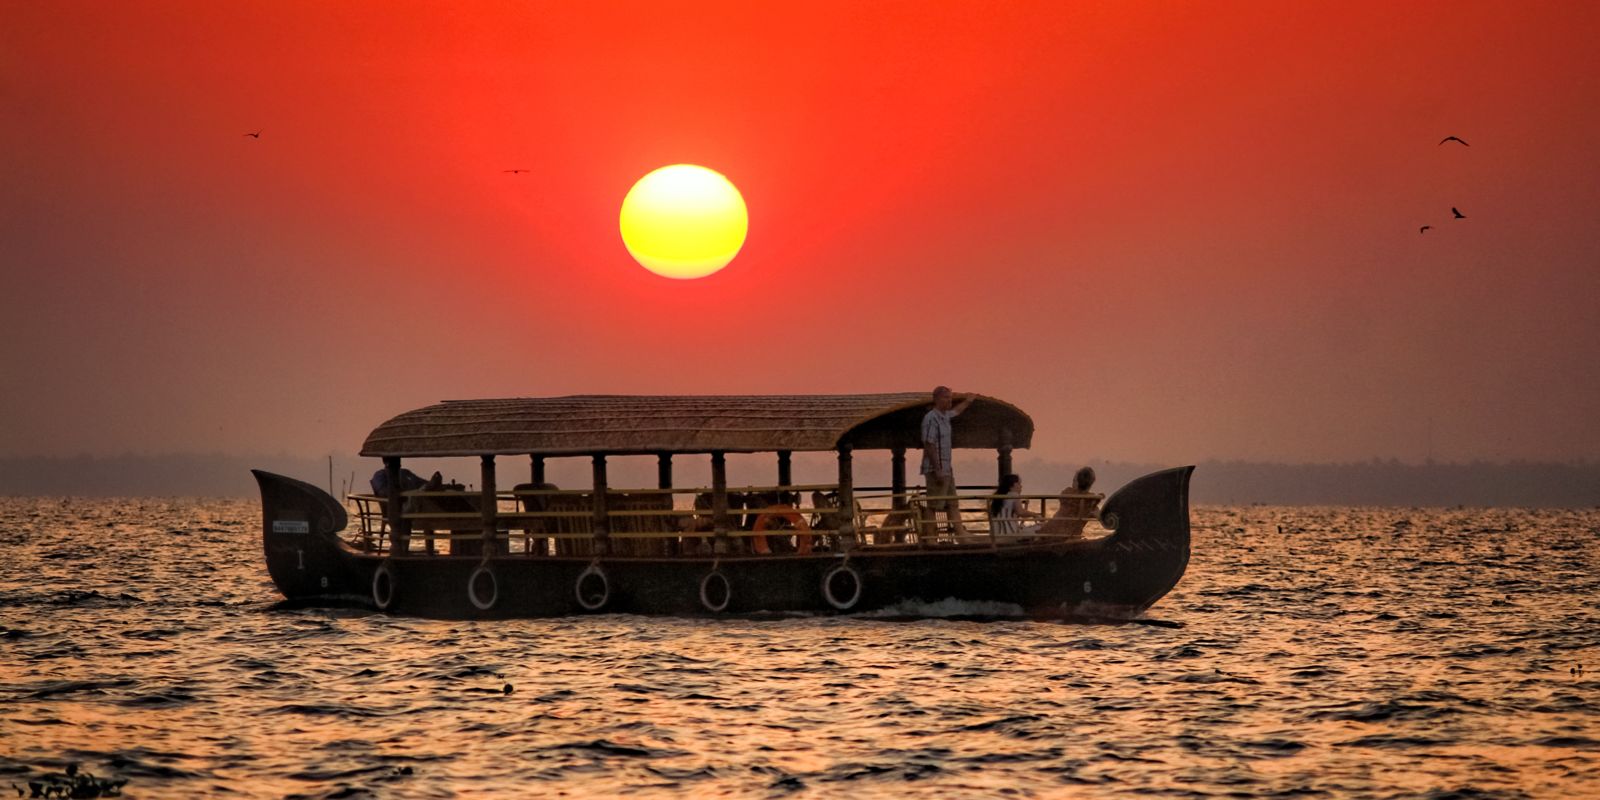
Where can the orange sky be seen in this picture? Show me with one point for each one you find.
(1170, 231)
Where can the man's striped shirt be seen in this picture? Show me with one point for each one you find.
(936, 442)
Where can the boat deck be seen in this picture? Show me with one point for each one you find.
(675, 523)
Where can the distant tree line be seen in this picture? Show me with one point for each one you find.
(208, 475)
(1375, 482)
(1368, 483)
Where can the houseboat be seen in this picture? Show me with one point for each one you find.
(535, 549)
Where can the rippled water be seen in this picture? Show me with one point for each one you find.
(1353, 652)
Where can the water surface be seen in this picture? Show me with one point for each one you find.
(1324, 652)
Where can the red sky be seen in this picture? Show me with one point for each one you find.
(1170, 231)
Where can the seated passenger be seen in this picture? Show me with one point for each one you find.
(701, 520)
(698, 523)
(447, 504)
(829, 518)
(1008, 509)
(537, 503)
(895, 528)
(1074, 511)
(742, 508)
(409, 481)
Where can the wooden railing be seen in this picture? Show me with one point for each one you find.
(649, 522)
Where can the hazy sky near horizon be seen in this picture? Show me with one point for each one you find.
(1170, 231)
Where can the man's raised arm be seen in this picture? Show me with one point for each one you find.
(956, 412)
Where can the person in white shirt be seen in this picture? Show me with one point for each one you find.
(1007, 511)
(937, 472)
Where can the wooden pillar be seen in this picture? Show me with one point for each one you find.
(785, 469)
(1005, 456)
(536, 470)
(602, 521)
(669, 546)
(719, 501)
(663, 470)
(489, 498)
(847, 500)
(897, 476)
(399, 530)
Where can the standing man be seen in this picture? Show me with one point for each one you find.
(937, 472)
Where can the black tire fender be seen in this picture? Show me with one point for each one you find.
(842, 604)
(592, 602)
(707, 587)
(478, 602)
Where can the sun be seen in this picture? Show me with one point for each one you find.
(684, 221)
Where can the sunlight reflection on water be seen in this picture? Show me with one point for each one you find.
(1373, 652)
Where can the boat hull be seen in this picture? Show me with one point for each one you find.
(1112, 577)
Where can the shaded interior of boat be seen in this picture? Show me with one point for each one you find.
(776, 519)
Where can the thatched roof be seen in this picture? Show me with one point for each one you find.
(625, 424)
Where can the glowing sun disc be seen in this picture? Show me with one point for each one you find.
(683, 221)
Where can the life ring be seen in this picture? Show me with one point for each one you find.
(383, 586)
(478, 601)
(592, 600)
(842, 604)
(796, 523)
(715, 584)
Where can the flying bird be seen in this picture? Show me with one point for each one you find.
(515, 171)
(1457, 212)
(1424, 229)
(256, 135)
(1454, 139)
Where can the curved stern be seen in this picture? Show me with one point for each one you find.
(300, 525)
(1150, 520)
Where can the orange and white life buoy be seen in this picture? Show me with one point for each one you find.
(768, 520)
